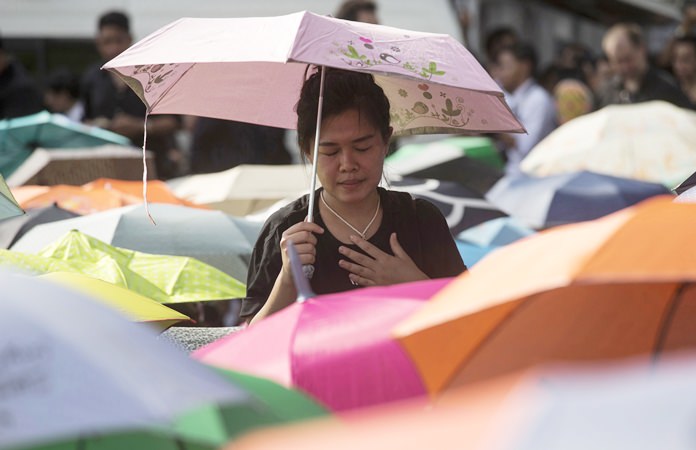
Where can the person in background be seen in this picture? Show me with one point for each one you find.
(684, 65)
(635, 80)
(62, 94)
(362, 234)
(110, 104)
(358, 11)
(530, 102)
(19, 96)
(497, 39)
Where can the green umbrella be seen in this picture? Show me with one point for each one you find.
(219, 424)
(8, 205)
(20, 136)
(481, 149)
(164, 278)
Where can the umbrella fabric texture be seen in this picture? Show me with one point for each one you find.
(19, 136)
(651, 141)
(462, 207)
(614, 287)
(542, 202)
(163, 278)
(133, 305)
(476, 242)
(211, 237)
(471, 161)
(434, 84)
(8, 205)
(568, 407)
(13, 229)
(238, 191)
(74, 368)
(686, 184)
(334, 347)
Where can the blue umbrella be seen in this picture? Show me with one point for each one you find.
(20, 136)
(566, 198)
(476, 242)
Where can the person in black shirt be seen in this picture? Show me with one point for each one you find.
(362, 235)
(635, 79)
(19, 96)
(110, 104)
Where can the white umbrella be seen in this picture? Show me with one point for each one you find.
(72, 367)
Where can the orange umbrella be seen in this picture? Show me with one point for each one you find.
(613, 287)
(620, 406)
(157, 191)
(76, 199)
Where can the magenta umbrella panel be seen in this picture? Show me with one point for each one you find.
(335, 347)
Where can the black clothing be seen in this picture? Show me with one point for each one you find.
(102, 98)
(420, 227)
(18, 93)
(218, 144)
(656, 85)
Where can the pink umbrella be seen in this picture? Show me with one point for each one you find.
(335, 347)
(252, 70)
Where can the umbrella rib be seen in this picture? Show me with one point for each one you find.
(524, 303)
(667, 321)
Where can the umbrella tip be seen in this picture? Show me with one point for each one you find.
(304, 291)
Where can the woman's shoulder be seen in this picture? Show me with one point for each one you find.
(403, 202)
(289, 214)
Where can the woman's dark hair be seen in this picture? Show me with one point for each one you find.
(343, 90)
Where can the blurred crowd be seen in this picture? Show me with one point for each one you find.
(578, 80)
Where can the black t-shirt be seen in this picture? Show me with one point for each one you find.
(420, 227)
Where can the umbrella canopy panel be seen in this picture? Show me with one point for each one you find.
(223, 67)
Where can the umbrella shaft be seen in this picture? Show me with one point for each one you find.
(315, 155)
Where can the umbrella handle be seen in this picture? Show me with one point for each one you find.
(308, 269)
(299, 276)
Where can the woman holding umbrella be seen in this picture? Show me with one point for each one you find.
(363, 235)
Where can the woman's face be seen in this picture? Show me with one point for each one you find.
(351, 156)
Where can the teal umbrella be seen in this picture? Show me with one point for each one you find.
(20, 136)
(8, 205)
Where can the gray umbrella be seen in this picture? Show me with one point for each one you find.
(209, 236)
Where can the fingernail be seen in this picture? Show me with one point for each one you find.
(353, 238)
(341, 249)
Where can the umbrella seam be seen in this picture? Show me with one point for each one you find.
(523, 303)
(666, 321)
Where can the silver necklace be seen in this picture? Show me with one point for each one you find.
(361, 233)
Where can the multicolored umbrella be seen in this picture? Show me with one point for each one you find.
(619, 286)
(542, 202)
(462, 207)
(223, 68)
(163, 278)
(8, 205)
(650, 141)
(335, 347)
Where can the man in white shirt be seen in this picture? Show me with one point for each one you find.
(532, 104)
